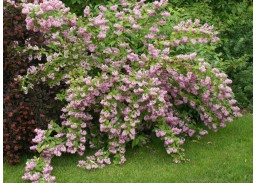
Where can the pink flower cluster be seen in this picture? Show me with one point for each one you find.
(46, 7)
(37, 176)
(99, 160)
(39, 137)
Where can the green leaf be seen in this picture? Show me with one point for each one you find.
(138, 141)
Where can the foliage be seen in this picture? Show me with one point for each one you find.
(127, 73)
(243, 85)
(237, 49)
(77, 6)
(22, 113)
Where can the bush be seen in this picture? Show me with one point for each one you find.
(129, 71)
(22, 113)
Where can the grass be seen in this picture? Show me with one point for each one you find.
(225, 156)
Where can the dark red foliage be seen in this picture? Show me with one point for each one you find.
(22, 113)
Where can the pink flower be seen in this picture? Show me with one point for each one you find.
(154, 28)
(83, 139)
(193, 41)
(204, 132)
(202, 69)
(136, 27)
(231, 102)
(192, 104)
(122, 160)
(150, 36)
(166, 51)
(160, 133)
(176, 28)
(228, 81)
(191, 132)
(165, 14)
(81, 163)
(87, 11)
(114, 7)
(102, 8)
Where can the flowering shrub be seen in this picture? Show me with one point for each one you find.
(22, 113)
(128, 70)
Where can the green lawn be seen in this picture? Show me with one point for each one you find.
(225, 156)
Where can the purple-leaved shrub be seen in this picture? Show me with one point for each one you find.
(127, 70)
